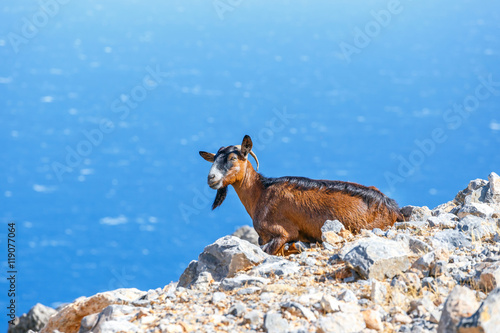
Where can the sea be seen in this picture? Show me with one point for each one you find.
(104, 106)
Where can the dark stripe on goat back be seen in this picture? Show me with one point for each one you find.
(369, 195)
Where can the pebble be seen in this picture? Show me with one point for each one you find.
(275, 323)
(237, 309)
(218, 297)
(252, 317)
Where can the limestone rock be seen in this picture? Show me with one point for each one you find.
(376, 257)
(411, 225)
(415, 245)
(347, 296)
(189, 275)
(247, 233)
(241, 281)
(253, 317)
(461, 302)
(379, 292)
(427, 262)
(274, 265)
(341, 322)
(116, 326)
(493, 194)
(373, 320)
(476, 228)
(329, 304)
(415, 213)
(402, 318)
(88, 322)
(35, 319)
(490, 277)
(444, 208)
(113, 314)
(218, 297)
(330, 232)
(299, 310)
(237, 309)
(332, 225)
(223, 258)
(487, 317)
(450, 239)
(475, 209)
(202, 281)
(443, 221)
(474, 192)
(68, 319)
(275, 323)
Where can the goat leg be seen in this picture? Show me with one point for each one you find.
(274, 246)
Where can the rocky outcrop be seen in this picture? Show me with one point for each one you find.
(486, 319)
(221, 259)
(34, 320)
(460, 303)
(437, 272)
(69, 318)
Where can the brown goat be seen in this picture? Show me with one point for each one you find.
(289, 209)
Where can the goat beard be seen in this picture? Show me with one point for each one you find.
(219, 198)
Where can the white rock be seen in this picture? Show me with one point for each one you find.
(341, 323)
(476, 209)
(116, 326)
(247, 233)
(487, 317)
(69, 318)
(329, 304)
(376, 257)
(415, 213)
(444, 208)
(493, 195)
(373, 320)
(275, 265)
(275, 323)
(224, 258)
(490, 277)
(218, 297)
(253, 317)
(378, 292)
(299, 310)
(443, 221)
(243, 280)
(461, 302)
(35, 319)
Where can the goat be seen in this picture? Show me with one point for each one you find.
(289, 209)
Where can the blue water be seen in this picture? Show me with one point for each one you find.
(100, 167)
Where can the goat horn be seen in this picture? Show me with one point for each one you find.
(253, 155)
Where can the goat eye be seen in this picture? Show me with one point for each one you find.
(234, 158)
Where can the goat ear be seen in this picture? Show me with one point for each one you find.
(208, 156)
(246, 145)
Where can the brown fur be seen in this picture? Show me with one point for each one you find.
(283, 212)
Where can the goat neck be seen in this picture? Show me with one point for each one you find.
(249, 189)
